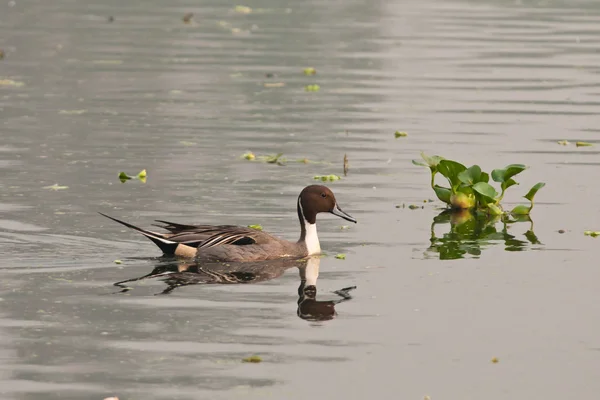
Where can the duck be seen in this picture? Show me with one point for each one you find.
(230, 243)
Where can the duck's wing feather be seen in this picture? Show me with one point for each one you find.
(205, 236)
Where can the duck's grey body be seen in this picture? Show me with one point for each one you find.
(228, 243)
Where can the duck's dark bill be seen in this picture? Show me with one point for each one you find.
(338, 211)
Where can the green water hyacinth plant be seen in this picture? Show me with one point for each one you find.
(470, 188)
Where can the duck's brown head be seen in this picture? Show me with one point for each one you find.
(316, 199)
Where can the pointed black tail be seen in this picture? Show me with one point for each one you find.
(167, 246)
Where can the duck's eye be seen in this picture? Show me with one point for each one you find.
(323, 195)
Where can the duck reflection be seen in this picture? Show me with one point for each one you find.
(177, 274)
(309, 308)
(471, 233)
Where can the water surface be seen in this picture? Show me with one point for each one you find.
(487, 82)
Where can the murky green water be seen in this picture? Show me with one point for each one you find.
(491, 82)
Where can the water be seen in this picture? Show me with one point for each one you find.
(484, 82)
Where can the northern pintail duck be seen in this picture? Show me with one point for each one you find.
(229, 243)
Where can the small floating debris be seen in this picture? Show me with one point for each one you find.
(414, 206)
(257, 227)
(327, 178)
(242, 9)
(269, 75)
(495, 360)
(252, 359)
(312, 88)
(273, 84)
(187, 18)
(399, 134)
(118, 262)
(340, 256)
(72, 112)
(592, 233)
(310, 71)
(10, 82)
(110, 18)
(1, 54)
(141, 176)
(249, 156)
(563, 142)
(56, 186)
(561, 231)
(583, 144)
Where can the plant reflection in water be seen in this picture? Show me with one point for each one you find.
(471, 233)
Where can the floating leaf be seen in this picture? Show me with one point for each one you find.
(529, 196)
(56, 186)
(273, 159)
(398, 134)
(563, 142)
(340, 256)
(142, 176)
(325, 178)
(592, 233)
(8, 82)
(118, 262)
(495, 360)
(249, 156)
(504, 174)
(583, 144)
(257, 227)
(414, 206)
(243, 9)
(187, 18)
(310, 71)
(252, 359)
(124, 177)
(312, 88)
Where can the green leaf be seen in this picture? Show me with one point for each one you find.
(442, 193)
(470, 176)
(529, 196)
(312, 88)
(142, 176)
(340, 256)
(257, 227)
(592, 233)
(450, 169)
(398, 134)
(310, 71)
(503, 175)
(508, 183)
(494, 209)
(325, 178)
(431, 161)
(583, 144)
(484, 177)
(486, 190)
(124, 177)
(420, 163)
(521, 210)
